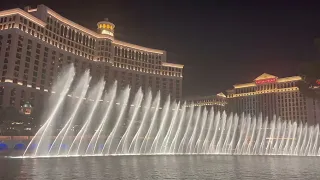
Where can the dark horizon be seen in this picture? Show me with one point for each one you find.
(220, 43)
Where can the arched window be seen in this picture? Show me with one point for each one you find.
(23, 94)
(73, 36)
(83, 39)
(13, 92)
(61, 30)
(65, 31)
(87, 40)
(77, 37)
(69, 33)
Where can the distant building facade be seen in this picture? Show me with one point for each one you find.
(270, 95)
(217, 102)
(35, 44)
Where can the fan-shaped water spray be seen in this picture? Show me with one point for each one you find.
(111, 122)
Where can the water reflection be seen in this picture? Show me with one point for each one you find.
(162, 167)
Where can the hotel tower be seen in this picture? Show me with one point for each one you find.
(35, 44)
(270, 95)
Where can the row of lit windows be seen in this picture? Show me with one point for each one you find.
(29, 53)
(264, 92)
(264, 87)
(71, 34)
(136, 55)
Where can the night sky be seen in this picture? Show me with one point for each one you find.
(221, 43)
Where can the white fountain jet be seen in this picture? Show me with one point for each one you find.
(80, 92)
(61, 87)
(109, 99)
(164, 115)
(147, 137)
(95, 96)
(206, 141)
(190, 147)
(202, 131)
(173, 145)
(165, 144)
(124, 101)
(136, 106)
(184, 138)
(146, 108)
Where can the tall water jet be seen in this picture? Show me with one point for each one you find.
(305, 135)
(284, 129)
(205, 145)
(124, 100)
(63, 83)
(110, 127)
(246, 137)
(235, 128)
(278, 131)
(242, 131)
(191, 141)
(212, 146)
(79, 92)
(145, 143)
(227, 139)
(296, 150)
(182, 143)
(136, 105)
(164, 116)
(222, 130)
(96, 93)
(181, 121)
(203, 125)
(257, 142)
(314, 148)
(109, 98)
(285, 150)
(293, 138)
(135, 140)
(251, 137)
(262, 145)
(164, 146)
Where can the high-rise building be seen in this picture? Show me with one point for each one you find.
(35, 44)
(271, 95)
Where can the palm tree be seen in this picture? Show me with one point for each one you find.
(311, 77)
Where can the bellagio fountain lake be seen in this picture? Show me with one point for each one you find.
(93, 130)
(84, 118)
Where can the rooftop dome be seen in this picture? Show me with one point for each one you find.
(106, 27)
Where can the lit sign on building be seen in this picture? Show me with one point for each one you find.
(265, 81)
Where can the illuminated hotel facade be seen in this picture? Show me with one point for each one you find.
(270, 95)
(36, 43)
(217, 102)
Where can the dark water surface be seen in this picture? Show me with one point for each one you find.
(162, 167)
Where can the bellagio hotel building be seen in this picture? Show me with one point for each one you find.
(270, 95)
(36, 43)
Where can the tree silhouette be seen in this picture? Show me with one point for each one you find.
(310, 73)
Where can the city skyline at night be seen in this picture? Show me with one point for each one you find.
(217, 42)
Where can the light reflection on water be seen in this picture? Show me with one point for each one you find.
(162, 167)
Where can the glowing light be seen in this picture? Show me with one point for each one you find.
(265, 81)
(23, 14)
(172, 65)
